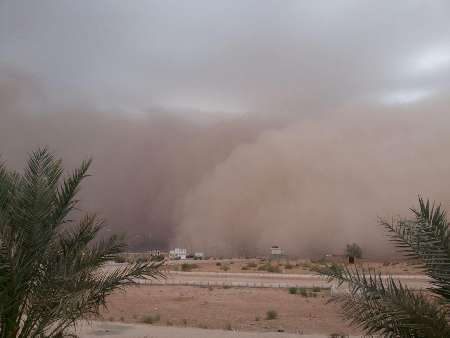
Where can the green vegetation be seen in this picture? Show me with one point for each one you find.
(188, 267)
(271, 314)
(354, 250)
(293, 291)
(316, 289)
(387, 307)
(305, 292)
(249, 265)
(151, 319)
(269, 268)
(49, 264)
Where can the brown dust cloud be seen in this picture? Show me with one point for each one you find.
(238, 185)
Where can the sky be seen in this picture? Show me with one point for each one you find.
(164, 95)
(228, 56)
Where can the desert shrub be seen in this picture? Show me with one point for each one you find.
(288, 266)
(150, 319)
(245, 268)
(262, 267)
(188, 267)
(252, 265)
(273, 269)
(316, 289)
(225, 267)
(293, 291)
(218, 264)
(303, 292)
(228, 327)
(271, 314)
(354, 250)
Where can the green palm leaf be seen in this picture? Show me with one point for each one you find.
(382, 305)
(53, 272)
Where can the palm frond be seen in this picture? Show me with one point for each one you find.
(53, 275)
(382, 305)
(427, 238)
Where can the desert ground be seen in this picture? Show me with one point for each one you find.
(238, 295)
(122, 330)
(241, 309)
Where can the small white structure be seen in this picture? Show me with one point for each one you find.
(275, 250)
(199, 255)
(178, 253)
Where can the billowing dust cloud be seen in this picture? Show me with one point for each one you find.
(316, 185)
(142, 165)
(239, 185)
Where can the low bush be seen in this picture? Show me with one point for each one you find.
(293, 291)
(269, 268)
(188, 267)
(150, 319)
(303, 292)
(271, 314)
(252, 265)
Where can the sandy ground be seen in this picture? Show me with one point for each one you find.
(111, 329)
(288, 266)
(175, 308)
(265, 280)
(242, 309)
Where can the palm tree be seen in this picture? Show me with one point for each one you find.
(51, 265)
(383, 305)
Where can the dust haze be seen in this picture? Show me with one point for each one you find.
(319, 184)
(228, 127)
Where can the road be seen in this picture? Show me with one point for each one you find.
(265, 280)
(113, 329)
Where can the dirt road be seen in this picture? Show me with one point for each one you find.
(265, 280)
(112, 329)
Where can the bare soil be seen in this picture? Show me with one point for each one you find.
(243, 309)
(288, 266)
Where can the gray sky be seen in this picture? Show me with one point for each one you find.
(230, 56)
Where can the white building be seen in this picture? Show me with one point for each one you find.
(178, 253)
(275, 250)
(199, 255)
